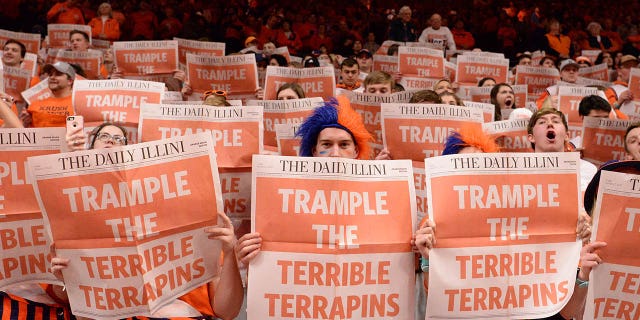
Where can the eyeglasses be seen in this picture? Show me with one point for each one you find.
(117, 139)
(220, 93)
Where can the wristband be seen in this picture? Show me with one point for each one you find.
(424, 264)
(582, 283)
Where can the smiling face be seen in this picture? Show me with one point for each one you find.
(548, 133)
(59, 81)
(335, 142)
(12, 56)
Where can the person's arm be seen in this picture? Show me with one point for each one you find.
(228, 291)
(588, 260)
(451, 43)
(424, 240)
(7, 115)
(55, 11)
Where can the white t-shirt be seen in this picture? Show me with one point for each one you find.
(442, 37)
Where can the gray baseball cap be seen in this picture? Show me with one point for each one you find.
(62, 67)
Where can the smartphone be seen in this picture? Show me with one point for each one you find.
(74, 122)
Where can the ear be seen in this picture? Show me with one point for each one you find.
(530, 138)
(357, 152)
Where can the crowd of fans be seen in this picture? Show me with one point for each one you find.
(492, 25)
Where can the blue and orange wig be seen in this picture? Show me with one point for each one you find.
(469, 136)
(335, 113)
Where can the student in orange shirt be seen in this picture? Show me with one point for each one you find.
(66, 12)
(53, 111)
(104, 26)
(79, 41)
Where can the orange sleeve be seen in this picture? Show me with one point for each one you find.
(103, 71)
(541, 99)
(54, 11)
(611, 95)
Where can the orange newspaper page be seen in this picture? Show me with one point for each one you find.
(283, 51)
(335, 232)
(200, 48)
(510, 135)
(597, 72)
(24, 240)
(537, 78)
(603, 139)
(368, 106)
(30, 40)
(284, 111)
(40, 91)
(521, 92)
(114, 100)
(480, 94)
(417, 83)
(450, 70)
(613, 284)
(30, 63)
(420, 184)
(288, 143)
(1, 76)
(58, 34)
(131, 221)
(632, 110)
(90, 61)
(315, 82)
(569, 98)
(101, 45)
(384, 47)
(418, 131)
(138, 58)
(471, 68)
(237, 75)
(592, 82)
(488, 110)
(236, 192)
(634, 83)
(237, 131)
(421, 62)
(507, 247)
(16, 80)
(388, 64)
(591, 54)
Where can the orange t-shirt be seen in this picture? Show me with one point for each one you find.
(51, 112)
(69, 15)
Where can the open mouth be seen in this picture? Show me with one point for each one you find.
(508, 102)
(551, 135)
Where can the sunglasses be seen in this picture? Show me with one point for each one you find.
(220, 93)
